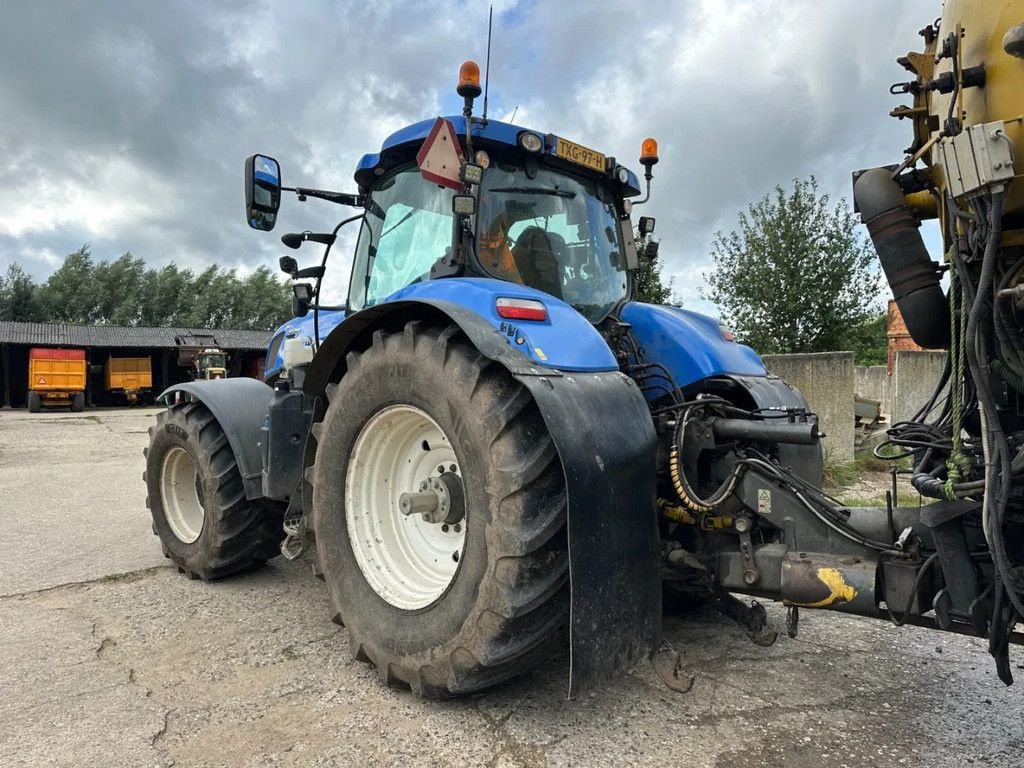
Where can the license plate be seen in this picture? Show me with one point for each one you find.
(577, 153)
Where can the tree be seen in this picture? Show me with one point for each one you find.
(125, 292)
(797, 276)
(119, 290)
(71, 295)
(870, 342)
(647, 278)
(166, 295)
(19, 296)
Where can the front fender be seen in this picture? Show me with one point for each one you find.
(689, 344)
(565, 340)
(240, 407)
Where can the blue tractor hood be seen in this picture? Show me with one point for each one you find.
(690, 345)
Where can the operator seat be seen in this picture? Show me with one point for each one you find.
(536, 254)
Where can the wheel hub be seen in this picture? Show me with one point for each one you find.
(439, 500)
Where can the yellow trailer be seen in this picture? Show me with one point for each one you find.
(56, 377)
(130, 377)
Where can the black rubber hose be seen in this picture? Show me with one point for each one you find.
(997, 489)
(912, 275)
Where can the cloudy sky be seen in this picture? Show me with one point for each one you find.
(125, 125)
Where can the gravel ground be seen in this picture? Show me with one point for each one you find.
(111, 658)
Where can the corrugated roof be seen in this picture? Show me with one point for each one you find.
(67, 335)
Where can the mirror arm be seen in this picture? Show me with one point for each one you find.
(341, 198)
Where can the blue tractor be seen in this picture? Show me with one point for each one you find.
(491, 442)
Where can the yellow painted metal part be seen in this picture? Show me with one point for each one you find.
(128, 373)
(839, 590)
(982, 24)
(56, 377)
(675, 512)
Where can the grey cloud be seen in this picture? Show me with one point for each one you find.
(741, 96)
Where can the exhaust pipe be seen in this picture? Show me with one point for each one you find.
(912, 275)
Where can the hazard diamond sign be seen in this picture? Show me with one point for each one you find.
(440, 157)
(41, 380)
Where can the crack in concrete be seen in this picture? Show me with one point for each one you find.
(162, 732)
(110, 578)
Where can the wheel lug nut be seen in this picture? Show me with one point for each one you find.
(440, 469)
(444, 528)
(458, 527)
(453, 468)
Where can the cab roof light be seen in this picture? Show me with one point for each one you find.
(648, 152)
(469, 80)
(531, 142)
(521, 309)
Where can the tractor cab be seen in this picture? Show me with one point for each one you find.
(466, 196)
(538, 220)
(211, 364)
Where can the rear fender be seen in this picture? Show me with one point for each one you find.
(240, 407)
(604, 434)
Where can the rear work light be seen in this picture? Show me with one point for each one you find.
(521, 309)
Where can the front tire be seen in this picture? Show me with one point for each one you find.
(206, 525)
(487, 616)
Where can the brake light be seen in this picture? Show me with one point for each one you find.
(521, 309)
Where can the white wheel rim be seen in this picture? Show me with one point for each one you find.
(180, 495)
(408, 561)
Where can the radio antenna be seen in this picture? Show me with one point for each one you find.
(487, 64)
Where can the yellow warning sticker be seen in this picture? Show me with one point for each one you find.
(540, 353)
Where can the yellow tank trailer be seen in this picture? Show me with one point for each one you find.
(56, 378)
(128, 378)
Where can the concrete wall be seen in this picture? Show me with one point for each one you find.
(914, 377)
(827, 381)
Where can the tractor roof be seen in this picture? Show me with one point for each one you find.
(412, 136)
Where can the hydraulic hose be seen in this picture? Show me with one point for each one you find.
(993, 438)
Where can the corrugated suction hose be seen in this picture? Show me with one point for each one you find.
(912, 275)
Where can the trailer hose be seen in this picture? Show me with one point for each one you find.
(912, 275)
(993, 437)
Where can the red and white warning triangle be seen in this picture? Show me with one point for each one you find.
(440, 157)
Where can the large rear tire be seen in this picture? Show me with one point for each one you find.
(206, 525)
(414, 406)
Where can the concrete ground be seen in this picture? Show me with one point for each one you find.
(108, 657)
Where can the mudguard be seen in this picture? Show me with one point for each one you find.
(604, 434)
(240, 407)
(606, 441)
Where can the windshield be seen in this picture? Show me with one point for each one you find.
(212, 361)
(408, 226)
(552, 232)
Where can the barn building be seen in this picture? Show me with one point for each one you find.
(245, 352)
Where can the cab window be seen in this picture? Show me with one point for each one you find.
(408, 227)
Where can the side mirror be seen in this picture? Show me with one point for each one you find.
(262, 192)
